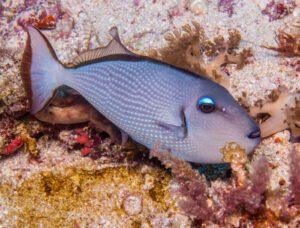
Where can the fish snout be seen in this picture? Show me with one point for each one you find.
(254, 134)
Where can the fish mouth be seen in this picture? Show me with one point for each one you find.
(254, 134)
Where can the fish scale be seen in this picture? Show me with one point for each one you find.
(134, 113)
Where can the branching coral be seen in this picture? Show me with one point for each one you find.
(191, 185)
(236, 156)
(246, 190)
(15, 135)
(288, 44)
(194, 51)
(283, 111)
(226, 6)
(244, 197)
(239, 195)
(294, 178)
(249, 196)
(285, 204)
(278, 9)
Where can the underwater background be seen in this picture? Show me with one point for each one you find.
(74, 176)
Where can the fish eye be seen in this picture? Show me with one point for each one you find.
(206, 104)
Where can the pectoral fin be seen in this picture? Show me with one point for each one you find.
(124, 138)
(179, 130)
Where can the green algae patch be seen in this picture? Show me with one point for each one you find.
(80, 197)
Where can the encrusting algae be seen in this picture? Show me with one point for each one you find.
(29, 142)
(77, 196)
(238, 159)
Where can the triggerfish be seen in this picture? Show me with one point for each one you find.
(156, 104)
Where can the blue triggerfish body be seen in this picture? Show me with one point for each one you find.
(156, 104)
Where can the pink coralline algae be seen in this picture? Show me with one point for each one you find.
(136, 2)
(12, 147)
(44, 15)
(191, 185)
(179, 10)
(243, 198)
(226, 6)
(279, 9)
(88, 141)
(41, 17)
(43, 21)
(249, 196)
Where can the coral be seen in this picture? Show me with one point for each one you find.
(82, 137)
(285, 204)
(237, 157)
(288, 44)
(43, 20)
(199, 7)
(226, 6)
(179, 9)
(17, 133)
(133, 204)
(29, 142)
(12, 146)
(40, 13)
(282, 112)
(12, 96)
(278, 9)
(195, 52)
(244, 193)
(89, 141)
(191, 185)
(294, 175)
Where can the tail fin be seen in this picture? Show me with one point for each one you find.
(41, 71)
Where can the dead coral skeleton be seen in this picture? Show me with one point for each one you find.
(194, 51)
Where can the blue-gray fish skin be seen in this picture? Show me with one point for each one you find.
(154, 103)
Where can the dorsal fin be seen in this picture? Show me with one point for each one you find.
(114, 47)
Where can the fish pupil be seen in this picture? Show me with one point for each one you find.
(206, 105)
(207, 108)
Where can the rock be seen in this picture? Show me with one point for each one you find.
(133, 204)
